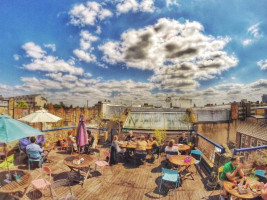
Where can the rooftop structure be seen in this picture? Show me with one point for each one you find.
(151, 119)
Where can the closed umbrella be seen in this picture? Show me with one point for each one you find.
(81, 137)
(11, 130)
(42, 116)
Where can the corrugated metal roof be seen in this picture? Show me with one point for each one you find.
(156, 120)
(253, 129)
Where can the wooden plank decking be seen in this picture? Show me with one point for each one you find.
(123, 182)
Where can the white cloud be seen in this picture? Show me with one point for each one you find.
(173, 50)
(86, 39)
(84, 56)
(52, 64)
(33, 50)
(88, 14)
(88, 74)
(60, 77)
(51, 46)
(172, 2)
(16, 57)
(262, 64)
(98, 30)
(254, 32)
(229, 86)
(134, 6)
(247, 42)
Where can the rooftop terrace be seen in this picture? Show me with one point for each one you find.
(122, 181)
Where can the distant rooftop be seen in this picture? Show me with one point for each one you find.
(253, 129)
(151, 119)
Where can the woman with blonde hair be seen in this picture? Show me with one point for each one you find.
(171, 150)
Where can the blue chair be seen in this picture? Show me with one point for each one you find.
(34, 156)
(197, 154)
(169, 175)
(260, 174)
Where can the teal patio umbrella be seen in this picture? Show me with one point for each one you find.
(11, 130)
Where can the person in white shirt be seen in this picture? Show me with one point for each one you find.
(171, 150)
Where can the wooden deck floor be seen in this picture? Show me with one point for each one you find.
(124, 181)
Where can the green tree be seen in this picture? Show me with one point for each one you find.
(56, 106)
(189, 118)
(22, 104)
(160, 135)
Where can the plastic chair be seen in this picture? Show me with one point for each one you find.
(103, 163)
(198, 154)
(40, 183)
(260, 174)
(31, 158)
(169, 175)
(8, 163)
(220, 170)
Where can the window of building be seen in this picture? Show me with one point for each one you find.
(243, 139)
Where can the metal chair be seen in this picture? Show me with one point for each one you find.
(103, 163)
(34, 156)
(40, 183)
(171, 176)
(140, 155)
(198, 154)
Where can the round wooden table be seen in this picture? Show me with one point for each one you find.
(86, 163)
(179, 160)
(15, 186)
(79, 172)
(183, 147)
(228, 185)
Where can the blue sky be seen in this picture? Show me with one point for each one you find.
(137, 51)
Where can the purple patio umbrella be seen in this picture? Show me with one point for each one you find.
(81, 137)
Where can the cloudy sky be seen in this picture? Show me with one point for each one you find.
(134, 51)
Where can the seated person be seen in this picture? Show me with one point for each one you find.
(155, 146)
(72, 140)
(117, 144)
(23, 143)
(130, 137)
(230, 171)
(171, 150)
(141, 147)
(183, 139)
(194, 140)
(36, 148)
(91, 138)
(40, 140)
(61, 142)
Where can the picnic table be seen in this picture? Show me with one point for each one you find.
(79, 172)
(180, 161)
(229, 187)
(16, 186)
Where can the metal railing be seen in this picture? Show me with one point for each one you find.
(259, 153)
(72, 127)
(208, 147)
